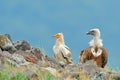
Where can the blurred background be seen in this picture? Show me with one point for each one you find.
(37, 20)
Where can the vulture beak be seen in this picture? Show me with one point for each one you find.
(90, 33)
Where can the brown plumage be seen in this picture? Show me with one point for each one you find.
(101, 60)
(95, 52)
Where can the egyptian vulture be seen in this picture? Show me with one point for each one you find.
(62, 53)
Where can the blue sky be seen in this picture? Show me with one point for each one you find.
(37, 20)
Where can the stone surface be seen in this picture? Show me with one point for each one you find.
(17, 60)
(6, 44)
(31, 74)
(6, 54)
(9, 37)
(37, 52)
(31, 58)
(22, 45)
(90, 67)
(52, 62)
(27, 56)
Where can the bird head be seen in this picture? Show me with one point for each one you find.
(94, 32)
(58, 35)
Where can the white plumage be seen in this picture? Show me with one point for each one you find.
(96, 41)
(61, 51)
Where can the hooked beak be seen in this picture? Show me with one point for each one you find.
(88, 33)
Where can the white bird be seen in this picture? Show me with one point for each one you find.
(61, 51)
(95, 51)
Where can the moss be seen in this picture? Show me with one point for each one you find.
(2, 40)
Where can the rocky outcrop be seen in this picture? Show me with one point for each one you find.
(17, 60)
(33, 62)
(22, 45)
(37, 52)
(6, 44)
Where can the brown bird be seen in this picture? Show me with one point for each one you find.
(95, 51)
(61, 51)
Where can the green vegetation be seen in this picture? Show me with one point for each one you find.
(20, 76)
(49, 77)
(13, 73)
(34, 72)
(6, 75)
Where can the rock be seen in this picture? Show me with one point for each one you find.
(34, 72)
(72, 67)
(31, 58)
(3, 56)
(0, 51)
(72, 76)
(100, 76)
(36, 65)
(52, 62)
(6, 54)
(6, 44)
(17, 60)
(22, 45)
(31, 74)
(94, 72)
(62, 64)
(9, 37)
(117, 77)
(53, 71)
(114, 75)
(37, 52)
(28, 56)
(90, 67)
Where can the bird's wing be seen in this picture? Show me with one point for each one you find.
(104, 56)
(65, 51)
(85, 55)
(67, 48)
(81, 54)
(54, 51)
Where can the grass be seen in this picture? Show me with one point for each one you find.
(20, 76)
(6, 75)
(49, 77)
(13, 73)
(10, 72)
(83, 76)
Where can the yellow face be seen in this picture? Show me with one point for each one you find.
(58, 35)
